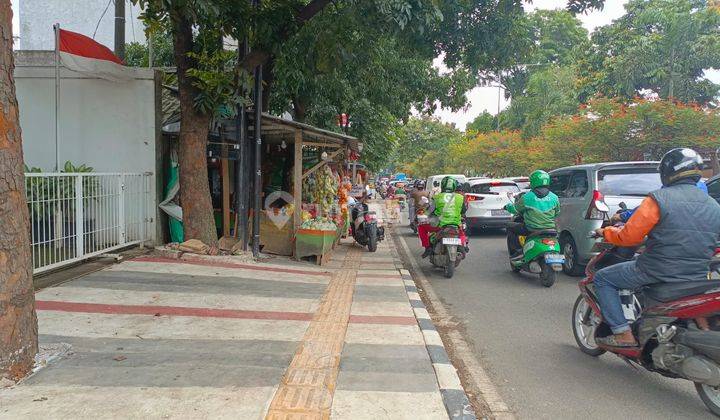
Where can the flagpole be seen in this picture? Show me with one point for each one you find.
(56, 29)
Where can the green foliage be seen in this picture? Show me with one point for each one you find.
(549, 93)
(138, 55)
(483, 123)
(658, 45)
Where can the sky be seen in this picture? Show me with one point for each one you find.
(486, 98)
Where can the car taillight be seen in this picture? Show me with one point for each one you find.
(470, 198)
(598, 209)
(548, 242)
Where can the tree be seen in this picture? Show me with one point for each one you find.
(662, 46)
(422, 145)
(555, 36)
(483, 123)
(549, 93)
(205, 82)
(138, 55)
(18, 322)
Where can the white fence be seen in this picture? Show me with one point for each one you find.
(74, 216)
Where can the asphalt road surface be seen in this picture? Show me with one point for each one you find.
(521, 333)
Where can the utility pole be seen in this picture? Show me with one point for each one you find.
(120, 29)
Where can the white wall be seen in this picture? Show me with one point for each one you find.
(38, 16)
(108, 126)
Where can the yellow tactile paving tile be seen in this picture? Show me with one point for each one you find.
(308, 386)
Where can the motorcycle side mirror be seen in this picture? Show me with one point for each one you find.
(623, 205)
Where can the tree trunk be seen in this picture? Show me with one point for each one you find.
(198, 220)
(268, 79)
(18, 322)
(299, 110)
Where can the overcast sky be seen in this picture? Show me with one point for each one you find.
(486, 98)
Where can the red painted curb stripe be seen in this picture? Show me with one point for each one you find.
(231, 265)
(99, 308)
(113, 309)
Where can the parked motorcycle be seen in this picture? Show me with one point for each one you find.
(366, 229)
(540, 255)
(677, 326)
(450, 246)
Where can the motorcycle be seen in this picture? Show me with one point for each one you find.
(418, 210)
(540, 254)
(676, 325)
(366, 229)
(450, 246)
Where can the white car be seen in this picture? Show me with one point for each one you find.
(522, 181)
(433, 182)
(486, 201)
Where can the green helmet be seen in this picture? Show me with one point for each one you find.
(448, 184)
(539, 178)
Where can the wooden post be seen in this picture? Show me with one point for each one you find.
(297, 180)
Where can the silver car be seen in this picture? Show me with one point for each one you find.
(580, 187)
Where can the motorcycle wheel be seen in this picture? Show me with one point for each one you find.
(547, 276)
(372, 239)
(584, 334)
(710, 396)
(449, 269)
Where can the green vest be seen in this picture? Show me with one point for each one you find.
(448, 208)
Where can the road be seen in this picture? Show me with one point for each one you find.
(521, 334)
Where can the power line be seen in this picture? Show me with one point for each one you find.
(101, 17)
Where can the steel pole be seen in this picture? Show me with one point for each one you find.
(120, 29)
(258, 160)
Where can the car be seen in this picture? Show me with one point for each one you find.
(486, 203)
(522, 181)
(584, 190)
(713, 186)
(433, 182)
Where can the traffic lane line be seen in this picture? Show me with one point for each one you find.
(117, 309)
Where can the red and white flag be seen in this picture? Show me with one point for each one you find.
(84, 55)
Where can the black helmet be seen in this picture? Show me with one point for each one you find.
(419, 184)
(680, 163)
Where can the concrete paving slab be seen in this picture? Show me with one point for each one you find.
(381, 308)
(180, 283)
(131, 326)
(86, 402)
(69, 293)
(190, 269)
(352, 405)
(387, 382)
(380, 294)
(383, 334)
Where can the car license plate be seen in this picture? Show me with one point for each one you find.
(500, 212)
(452, 241)
(554, 259)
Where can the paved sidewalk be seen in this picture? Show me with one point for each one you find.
(211, 338)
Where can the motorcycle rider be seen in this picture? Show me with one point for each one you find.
(416, 198)
(446, 208)
(682, 225)
(538, 208)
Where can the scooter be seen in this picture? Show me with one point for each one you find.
(418, 209)
(677, 325)
(366, 229)
(540, 255)
(450, 246)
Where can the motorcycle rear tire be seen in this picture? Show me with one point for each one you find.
(547, 276)
(710, 397)
(449, 269)
(372, 239)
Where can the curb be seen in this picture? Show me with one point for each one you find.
(453, 394)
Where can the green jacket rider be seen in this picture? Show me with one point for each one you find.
(539, 207)
(447, 207)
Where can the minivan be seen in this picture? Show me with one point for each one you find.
(581, 188)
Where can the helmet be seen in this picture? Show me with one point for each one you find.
(678, 164)
(448, 184)
(539, 178)
(419, 184)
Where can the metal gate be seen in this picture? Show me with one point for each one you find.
(74, 216)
